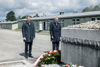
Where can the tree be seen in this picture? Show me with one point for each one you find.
(19, 17)
(10, 16)
(24, 17)
(36, 15)
(92, 8)
(96, 8)
(87, 9)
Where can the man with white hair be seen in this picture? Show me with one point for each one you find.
(55, 32)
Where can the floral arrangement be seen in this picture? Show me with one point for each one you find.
(52, 57)
(71, 65)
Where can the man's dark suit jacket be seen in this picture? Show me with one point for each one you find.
(55, 31)
(28, 31)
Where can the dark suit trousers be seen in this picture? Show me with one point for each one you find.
(55, 45)
(28, 44)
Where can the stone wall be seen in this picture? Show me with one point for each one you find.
(81, 46)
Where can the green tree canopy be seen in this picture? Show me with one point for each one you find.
(75, 11)
(96, 8)
(91, 8)
(19, 17)
(24, 17)
(87, 9)
(36, 15)
(10, 16)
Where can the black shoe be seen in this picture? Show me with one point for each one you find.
(30, 56)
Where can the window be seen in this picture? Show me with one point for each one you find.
(75, 21)
(98, 18)
(62, 20)
(37, 23)
(92, 19)
(78, 19)
(62, 23)
(59, 21)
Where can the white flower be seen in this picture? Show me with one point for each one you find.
(49, 55)
(73, 65)
(55, 50)
(41, 57)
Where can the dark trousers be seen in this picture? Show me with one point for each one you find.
(28, 44)
(55, 45)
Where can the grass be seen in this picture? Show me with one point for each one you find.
(37, 31)
(18, 29)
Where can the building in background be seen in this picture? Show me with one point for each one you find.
(42, 23)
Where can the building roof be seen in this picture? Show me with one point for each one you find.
(68, 15)
(10, 22)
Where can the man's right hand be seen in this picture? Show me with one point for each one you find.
(52, 37)
(24, 38)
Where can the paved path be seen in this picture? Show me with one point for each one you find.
(12, 45)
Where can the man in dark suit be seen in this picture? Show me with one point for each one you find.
(55, 32)
(28, 32)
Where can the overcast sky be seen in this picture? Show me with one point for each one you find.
(49, 7)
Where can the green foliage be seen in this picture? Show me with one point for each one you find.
(19, 17)
(19, 29)
(51, 58)
(70, 65)
(24, 17)
(37, 31)
(36, 15)
(92, 8)
(96, 8)
(10, 16)
(87, 9)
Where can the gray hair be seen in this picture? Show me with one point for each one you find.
(28, 16)
(55, 17)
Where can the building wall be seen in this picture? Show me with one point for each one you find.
(69, 21)
(44, 24)
(20, 23)
(6, 26)
(14, 26)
